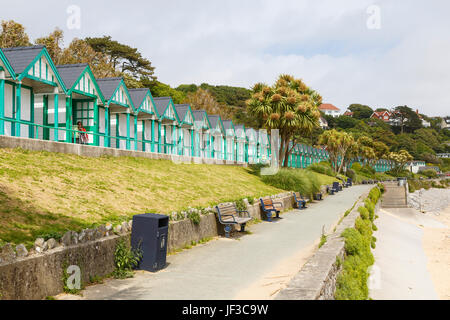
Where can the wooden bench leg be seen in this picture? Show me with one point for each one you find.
(227, 230)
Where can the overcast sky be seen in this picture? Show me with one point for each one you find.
(339, 48)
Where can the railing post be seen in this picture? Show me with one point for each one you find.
(96, 124)
(2, 102)
(68, 120)
(18, 109)
(153, 136)
(107, 129)
(56, 109)
(135, 133)
(128, 144)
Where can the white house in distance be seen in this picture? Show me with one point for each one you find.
(323, 123)
(330, 109)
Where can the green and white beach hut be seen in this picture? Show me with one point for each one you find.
(168, 120)
(185, 137)
(120, 115)
(146, 119)
(218, 135)
(30, 92)
(241, 143)
(230, 140)
(85, 104)
(202, 139)
(263, 147)
(252, 146)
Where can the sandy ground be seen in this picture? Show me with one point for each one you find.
(412, 255)
(436, 243)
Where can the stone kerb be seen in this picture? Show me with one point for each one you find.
(317, 278)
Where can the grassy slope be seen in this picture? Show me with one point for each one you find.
(42, 193)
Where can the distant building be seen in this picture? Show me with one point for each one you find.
(425, 123)
(414, 166)
(443, 155)
(445, 124)
(385, 116)
(323, 123)
(348, 114)
(330, 109)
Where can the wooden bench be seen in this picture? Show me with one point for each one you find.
(318, 196)
(229, 215)
(301, 202)
(337, 187)
(268, 207)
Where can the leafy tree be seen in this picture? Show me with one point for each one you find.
(13, 35)
(127, 60)
(160, 89)
(340, 145)
(289, 106)
(345, 122)
(400, 159)
(79, 51)
(407, 118)
(53, 42)
(360, 111)
(204, 100)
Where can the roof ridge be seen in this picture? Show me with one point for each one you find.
(138, 89)
(110, 79)
(23, 48)
(72, 65)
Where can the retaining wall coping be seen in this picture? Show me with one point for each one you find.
(320, 271)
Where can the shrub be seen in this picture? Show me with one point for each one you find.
(298, 180)
(323, 169)
(364, 213)
(357, 166)
(368, 170)
(430, 173)
(351, 284)
(351, 174)
(125, 259)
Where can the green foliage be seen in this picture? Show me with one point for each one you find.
(323, 240)
(323, 169)
(357, 166)
(360, 111)
(364, 213)
(194, 217)
(430, 173)
(160, 89)
(230, 96)
(125, 259)
(351, 284)
(303, 181)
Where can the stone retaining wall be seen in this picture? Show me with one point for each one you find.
(91, 151)
(39, 274)
(317, 279)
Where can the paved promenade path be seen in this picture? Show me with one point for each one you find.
(228, 268)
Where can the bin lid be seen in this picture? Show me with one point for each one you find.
(151, 216)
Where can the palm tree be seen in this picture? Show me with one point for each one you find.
(289, 106)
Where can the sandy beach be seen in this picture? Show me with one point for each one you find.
(436, 243)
